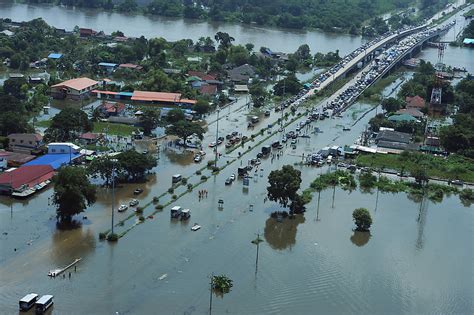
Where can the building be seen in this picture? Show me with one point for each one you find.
(468, 41)
(86, 32)
(63, 147)
(130, 66)
(416, 102)
(241, 88)
(108, 66)
(108, 109)
(24, 142)
(15, 159)
(412, 112)
(163, 98)
(89, 138)
(402, 118)
(24, 177)
(3, 162)
(241, 74)
(75, 89)
(208, 90)
(55, 160)
(55, 56)
(393, 136)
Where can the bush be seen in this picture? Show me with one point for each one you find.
(198, 173)
(156, 200)
(190, 186)
(184, 181)
(174, 197)
(362, 219)
(159, 207)
(139, 210)
(203, 177)
(210, 163)
(112, 237)
(102, 236)
(141, 218)
(171, 190)
(215, 169)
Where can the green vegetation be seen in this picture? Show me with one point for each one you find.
(113, 129)
(459, 137)
(452, 167)
(283, 187)
(332, 15)
(362, 219)
(326, 60)
(68, 125)
(221, 284)
(469, 30)
(73, 193)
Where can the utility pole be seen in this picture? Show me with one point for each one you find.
(113, 196)
(217, 137)
(210, 293)
(258, 245)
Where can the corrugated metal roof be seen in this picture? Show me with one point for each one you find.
(55, 56)
(26, 175)
(54, 160)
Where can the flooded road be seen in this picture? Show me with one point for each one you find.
(312, 262)
(417, 258)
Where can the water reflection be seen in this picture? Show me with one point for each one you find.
(281, 235)
(71, 244)
(359, 238)
(182, 158)
(421, 221)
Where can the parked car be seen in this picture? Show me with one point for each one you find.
(137, 191)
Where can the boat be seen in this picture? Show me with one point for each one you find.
(122, 208)
(28, 301)
(57, 272)
(195, 227)
(175, 212)
(346, 129)
(133, 202)
(24, 193)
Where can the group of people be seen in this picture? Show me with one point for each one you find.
(202, 193)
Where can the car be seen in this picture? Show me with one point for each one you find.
(212, 144)
(284, 140)
(293, 141)
(220, 139)
(202, 153)
(232, 177)
(137, 191)
(228, 181)
(267, 113)
(133, 202)
(259, 155)
(197, 158)
(122, 208)
(145, 152)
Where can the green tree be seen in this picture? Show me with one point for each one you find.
(221, 283)
(68, 124)
(289, 85)
(134, 165)
(202, 107)
(183, 129)
(284, 185)
(73, 192)
(391, 104)
(224, 40)
(175, 115)
(258, 94)
(149, 121)
(103, 167)
(420, 175)
(362, 219)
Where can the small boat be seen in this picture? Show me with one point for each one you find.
(346, 129)
(57, 272)
(122, 208)
(24, 194)
(133, 202)
(195, 227)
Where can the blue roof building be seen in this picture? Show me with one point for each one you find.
(55, 56)
(468, 41)
(55, 160)
(108, 65)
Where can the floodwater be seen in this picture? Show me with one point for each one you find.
(176, 29)
(417, 258)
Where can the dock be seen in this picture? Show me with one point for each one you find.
(57, 272)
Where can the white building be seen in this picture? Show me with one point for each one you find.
(63, 148)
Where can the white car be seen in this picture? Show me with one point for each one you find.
(212, 144)
(232, 177)
(197, 158)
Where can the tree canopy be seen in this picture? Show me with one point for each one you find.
(362, 219)
(283, 188)
(68, 124)
(73, 192)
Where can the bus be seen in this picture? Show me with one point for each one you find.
(28, 301)
(42, 305)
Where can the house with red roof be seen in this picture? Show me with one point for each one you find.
(108, 109)
(416, 102)
(89, 138)
(208, 90)
(75, 89)
(24, 177)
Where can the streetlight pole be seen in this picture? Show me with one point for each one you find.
(210, 294)
(113, 196)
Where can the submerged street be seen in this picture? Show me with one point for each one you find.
(417, 258)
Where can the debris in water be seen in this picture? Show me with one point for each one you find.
(163, 276)
(315, 244)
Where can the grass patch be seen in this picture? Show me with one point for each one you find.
(43, 123)
(113, 129)
(453, 167)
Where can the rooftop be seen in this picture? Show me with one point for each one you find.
(25, 175)
(415, 101)
(77, 84)
(393, 136)
(402, 117)
(156, 96)
(55, 161)
(55, 56)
